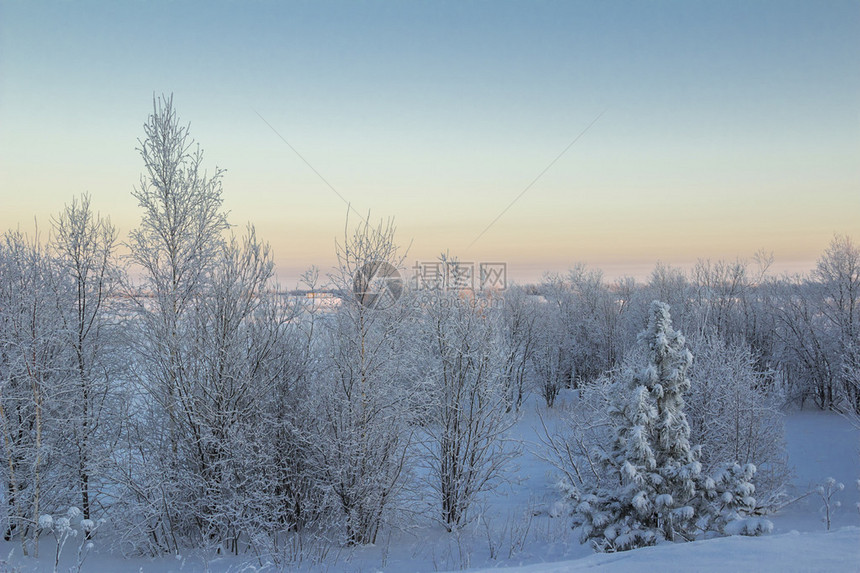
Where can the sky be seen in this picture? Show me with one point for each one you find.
(611, 133)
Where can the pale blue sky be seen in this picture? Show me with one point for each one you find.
(728, 126)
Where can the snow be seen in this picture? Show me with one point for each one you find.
(834, 552)
(820, 445)
(46, 522)
(749, 526)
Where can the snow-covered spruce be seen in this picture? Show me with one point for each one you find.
(655, 489)
(728, 502)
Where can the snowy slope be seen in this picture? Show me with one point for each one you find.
(790, 552)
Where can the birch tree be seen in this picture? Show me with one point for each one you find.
(33, 372)
(362, 427)
(838, 273)
(174, 250)
(464, 437)
(84, 245)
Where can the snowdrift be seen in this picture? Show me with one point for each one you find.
(833, 551)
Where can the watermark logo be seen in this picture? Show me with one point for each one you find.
(460, 276)
(494, 276)
(377, 285)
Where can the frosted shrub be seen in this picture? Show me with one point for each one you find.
(858, 489)
(70, 526)
(826, 491)
(735, 415)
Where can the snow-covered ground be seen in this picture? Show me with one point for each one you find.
(831, 552)
(524, 528)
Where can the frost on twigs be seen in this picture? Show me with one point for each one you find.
(70, 526)
(858, 489)
(826, 491)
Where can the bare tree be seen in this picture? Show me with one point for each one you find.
(33, 375)
(84, 244)
(838, 272)
(362, 426)
(464, 438)
(175, 248)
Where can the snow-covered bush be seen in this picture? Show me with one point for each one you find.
(71, 525)
(826, 491)
(730, 503)
(734, 415)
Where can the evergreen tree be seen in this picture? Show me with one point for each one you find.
(654, 488)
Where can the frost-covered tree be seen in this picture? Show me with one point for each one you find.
(594, 316)
(670, 284)
(296, 489)
(718, 290)
(816, 326)
(548, 357)
(653, 488)
(215, 345)
(851, 378)
(519, 338)
(34, 375)
(734, 414)
(237, 325)
(838, 274)
(805, 344)
(84, 247)
(174, 250)
(560, 322)
(361, 428)
(464, 434)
